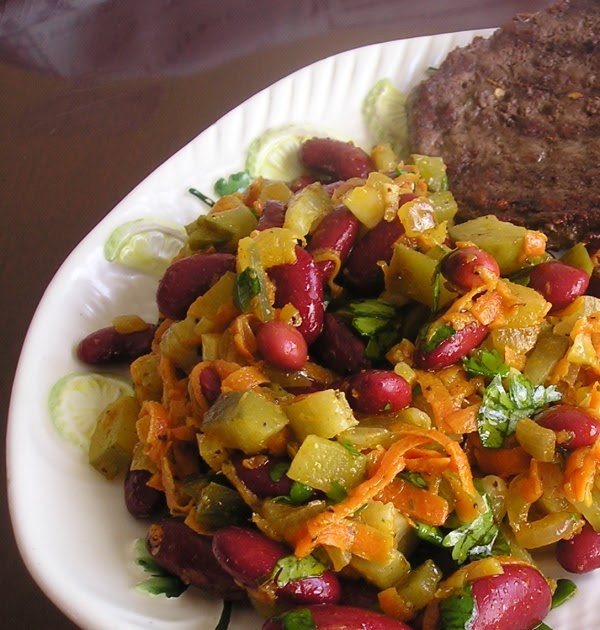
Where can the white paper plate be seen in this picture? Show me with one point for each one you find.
(71, 525)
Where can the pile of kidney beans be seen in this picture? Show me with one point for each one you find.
(238, 559)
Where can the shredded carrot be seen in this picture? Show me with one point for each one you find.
(247, 377)
(534, 244)
(392, 463)
(427, 464)
(223, 369)
(175, 502)
(394, 605)
(153, 430)
(463, 420)
(531, 487)
(437, 396)
(358, 538)
(244, 339)
(580, 473)
(459, 458)
(415, 502)
(504, 462)
(487, 308)
(175, 390)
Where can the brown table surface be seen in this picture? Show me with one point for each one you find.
(95, 94)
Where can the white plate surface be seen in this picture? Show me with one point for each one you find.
(71, 525)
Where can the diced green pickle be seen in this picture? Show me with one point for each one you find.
(223, 228)
(504, 241)
(411, 274)
(432, 171)
(115, 437)
(220, 506)
(324, 464)
(444, 206)
(382, 574)
(325, 413)
(244, 420)
(579, 257)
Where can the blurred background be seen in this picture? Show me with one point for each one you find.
(95, 94)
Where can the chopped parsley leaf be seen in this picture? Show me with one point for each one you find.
(505, 402)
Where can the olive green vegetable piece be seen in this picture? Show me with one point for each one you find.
(325, 413)
(244, 420)
(321, 464)
(579, 257)
(411, 274)
(504, 241)
(114, 438)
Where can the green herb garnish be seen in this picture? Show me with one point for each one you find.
(299, 619)
(415, 478)
(290, 568)
(161, 582)
(487, 363)
(207, 200)
(377, 321)
(475, 539)
(458, 611)
(565, 589)
(439, 335)
(237, 182)
(505, 402)
(247, 286)
(429, 533)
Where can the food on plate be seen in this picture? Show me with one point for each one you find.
(516, 118)
(381, 438)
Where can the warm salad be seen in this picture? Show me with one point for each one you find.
(355, 413)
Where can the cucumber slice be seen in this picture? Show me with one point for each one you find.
(76, 400)
(274, 154)
(146, 245)
(384, 114)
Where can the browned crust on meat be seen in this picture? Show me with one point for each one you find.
(516, 117)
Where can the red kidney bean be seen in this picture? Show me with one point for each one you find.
(210, 384)
(462, 266)
(256, 472)
(141, 500)
(250, 557)
(273, 215)
(331, 187)
(300, 285)
(109, 346)
(517, 599)
(358, 593)
(378, 391)
(178, 549)
(247, 555)
(282, 345)
(558, 282)
(342, 160)
(338, 348)
(336, 234)
(318, 589)
(452, 349)
(302, 181)
(579, 427)
(331, 617)
(189, 278)
(581, 553)
(362, 270)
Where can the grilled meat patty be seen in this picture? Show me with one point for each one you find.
(516, 118)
